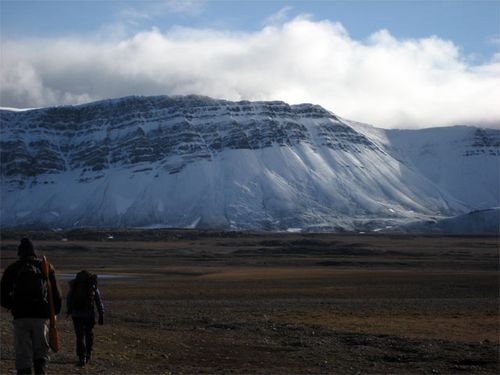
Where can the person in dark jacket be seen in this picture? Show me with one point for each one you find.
(82, 300)
(24, 291)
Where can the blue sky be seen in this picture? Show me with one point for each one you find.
(392, 63)
(472, 25)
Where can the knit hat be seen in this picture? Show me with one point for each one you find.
(25, 248)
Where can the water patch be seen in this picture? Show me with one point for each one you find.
(100, 276)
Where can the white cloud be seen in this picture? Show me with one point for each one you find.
(279, 17)
(383, 80)
(132, 15)
(149, 10)
(189, 7)
(495, 40)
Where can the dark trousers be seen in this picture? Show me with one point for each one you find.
(84, 336)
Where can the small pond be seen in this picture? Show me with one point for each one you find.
(100, 276)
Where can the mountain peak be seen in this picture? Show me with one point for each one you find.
(197, 161)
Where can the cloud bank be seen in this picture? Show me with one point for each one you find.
(382, 80)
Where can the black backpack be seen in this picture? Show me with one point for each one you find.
(84, 286)
(30, 286)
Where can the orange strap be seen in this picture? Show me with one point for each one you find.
(45, 270)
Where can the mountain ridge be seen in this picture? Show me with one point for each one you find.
(192, 161)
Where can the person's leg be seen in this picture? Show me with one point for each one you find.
(40, 366)
(89, 337)
(41, 345)
(24, 371)
(79, 325)
(23, 346)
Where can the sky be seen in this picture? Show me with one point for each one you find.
(404, 64)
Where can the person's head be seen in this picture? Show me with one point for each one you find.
(86, 278)
(25, 248)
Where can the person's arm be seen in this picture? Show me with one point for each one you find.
(99, 305)
(7, 284)
(56, 291)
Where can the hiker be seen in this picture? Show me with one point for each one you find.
(83, 298)
(24, 291)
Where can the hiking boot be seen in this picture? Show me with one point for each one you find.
(81, 362)
(40, 366)
(87, 359)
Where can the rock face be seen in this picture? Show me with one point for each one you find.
(136, 130)
(196, 161)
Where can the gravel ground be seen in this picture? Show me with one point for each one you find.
(188, 302)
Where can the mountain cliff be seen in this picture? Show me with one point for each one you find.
(199, 162)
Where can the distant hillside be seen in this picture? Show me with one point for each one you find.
(476, 222)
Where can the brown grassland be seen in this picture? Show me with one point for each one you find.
(189, 302)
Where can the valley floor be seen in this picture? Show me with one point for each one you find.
(208, 302)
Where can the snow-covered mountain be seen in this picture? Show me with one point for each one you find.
(199, 162)
(462, 160)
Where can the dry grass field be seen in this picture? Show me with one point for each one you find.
(189, 302)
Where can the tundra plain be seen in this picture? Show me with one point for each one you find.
(189, 302)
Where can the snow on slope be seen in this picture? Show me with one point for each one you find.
(199, 162)
(461, 160)
(15, 109)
